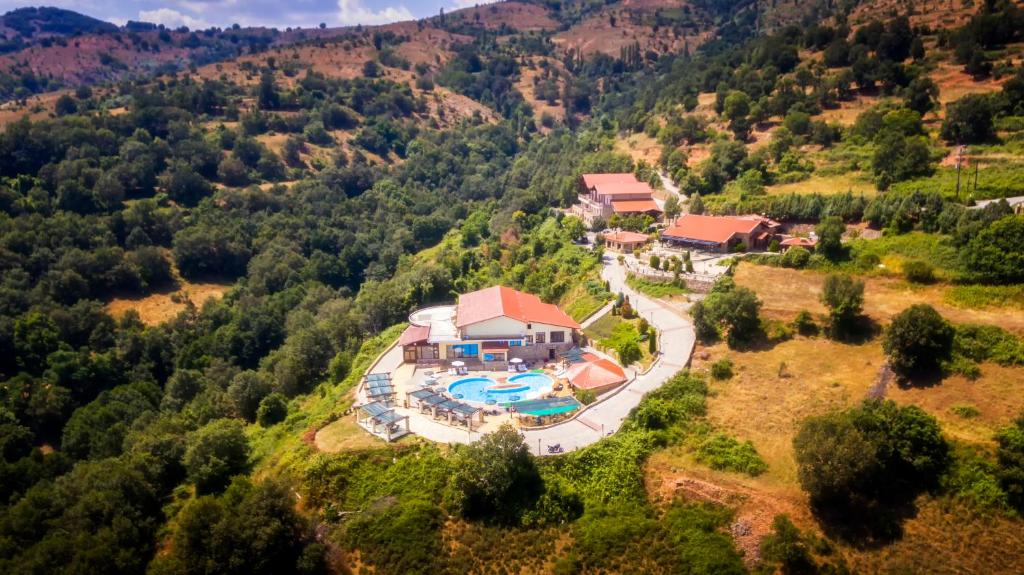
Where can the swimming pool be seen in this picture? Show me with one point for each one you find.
(489, 392)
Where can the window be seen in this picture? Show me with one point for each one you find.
(465, 350)
(540, 337)
(528, 339)
(557, 337)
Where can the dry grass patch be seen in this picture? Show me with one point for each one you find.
(159, 307)
(827, 185)
(640, 146)
(772, 391)
(345, 435)
(848, 110)
(998, 395)
(947, 538)
(785, 292)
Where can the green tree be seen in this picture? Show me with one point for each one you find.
(918, 341)
(495, 478)
(273, 409)
(921, 95)
(844, 297)
(672, 207)
(830, 233)
(996, 253)
(877, 451)
(215, 453)
(696, 204)
(898, 158)
(969, 120)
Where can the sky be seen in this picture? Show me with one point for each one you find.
(274, 13)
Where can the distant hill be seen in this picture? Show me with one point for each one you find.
(45, 21)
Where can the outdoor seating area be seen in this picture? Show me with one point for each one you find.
(458, 368)
(517, 365)
(383, 421)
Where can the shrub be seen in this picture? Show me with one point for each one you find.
(796, 257)
(804, 324)
(1010, 459)
(722, 369)
(586, 396)
(720, 451)
(919, 272)
(786, 548)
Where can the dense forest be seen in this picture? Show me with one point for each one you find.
(334, 206)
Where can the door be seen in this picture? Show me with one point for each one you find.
(551, 353)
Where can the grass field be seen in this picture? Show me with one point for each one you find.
(345, 434)
(603, 328)
(662, 290)
(580, 303)
(786, 292)
(773, 390)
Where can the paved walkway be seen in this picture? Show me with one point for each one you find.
(604, 418)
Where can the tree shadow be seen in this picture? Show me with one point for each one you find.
(922, 379)
(866, 524)
(859, 331)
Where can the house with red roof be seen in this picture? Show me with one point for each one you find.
(494, 324)
(625, 242)
(605, 195)
(720, 233)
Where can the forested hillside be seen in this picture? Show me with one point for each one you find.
(317, 185)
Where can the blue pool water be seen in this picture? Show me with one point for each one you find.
(519, 387)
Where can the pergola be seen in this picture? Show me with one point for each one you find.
(381, 390)
(378, 414)
(436, 404)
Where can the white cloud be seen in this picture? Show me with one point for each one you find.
(172, 18)
(353, 12)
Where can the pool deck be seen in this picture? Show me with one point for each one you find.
(677, 340)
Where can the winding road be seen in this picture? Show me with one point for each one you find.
(603, 418)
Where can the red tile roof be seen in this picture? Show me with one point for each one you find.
(635, 206)
(595, 374)
(414, 334)
(626, 237)
(717, 229)
(621, 189)
(498, 301)
(798, 241)
(592, 180)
